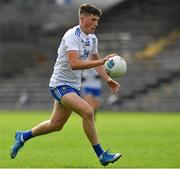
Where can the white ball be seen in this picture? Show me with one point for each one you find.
(115, 67)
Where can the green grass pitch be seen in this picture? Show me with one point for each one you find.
(146, 140)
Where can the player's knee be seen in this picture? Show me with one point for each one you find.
(88, 115)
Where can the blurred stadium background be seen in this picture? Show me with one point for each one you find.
(145, 32)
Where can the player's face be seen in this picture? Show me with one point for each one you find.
(89, 23)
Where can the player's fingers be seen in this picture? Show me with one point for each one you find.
(115, 89)
(117, 84)
(111, 55)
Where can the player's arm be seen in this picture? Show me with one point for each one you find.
(101, 71)
(78, 64)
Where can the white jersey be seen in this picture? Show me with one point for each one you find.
(74, 39)
(91, 79)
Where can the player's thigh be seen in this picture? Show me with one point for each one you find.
(76, 104)
(60, 114)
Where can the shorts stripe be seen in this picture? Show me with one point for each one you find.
(56, 94)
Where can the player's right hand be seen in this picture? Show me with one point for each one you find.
(115, 86)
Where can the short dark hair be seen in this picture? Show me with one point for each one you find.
(88, 9)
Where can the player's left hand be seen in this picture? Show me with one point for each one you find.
(110, 56)
(106, 58)
(115, 86)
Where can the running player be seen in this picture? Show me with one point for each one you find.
(76, 46)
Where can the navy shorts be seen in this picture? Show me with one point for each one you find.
(59, 91)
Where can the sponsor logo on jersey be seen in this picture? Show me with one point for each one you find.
(87, 42)
(84, 54)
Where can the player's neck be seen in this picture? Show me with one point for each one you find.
(84, 31)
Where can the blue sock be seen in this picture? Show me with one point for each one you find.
(27, 135)
(98, 149)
